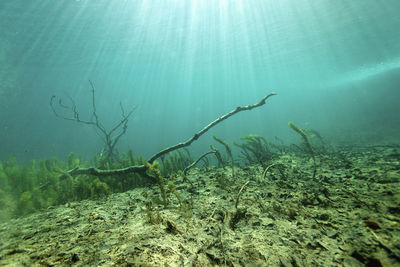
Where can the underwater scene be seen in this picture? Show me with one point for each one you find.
(199, 133)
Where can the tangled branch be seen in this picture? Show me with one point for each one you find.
(111, 137)
(142, 168)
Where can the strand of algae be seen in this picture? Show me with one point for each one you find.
(228, 150)
(307, 142)
(218, 156)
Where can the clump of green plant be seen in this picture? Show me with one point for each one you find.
(7, 206)
(185, 205)
(28, 188)
(40, 184)
(152, 218)
(175, 161)
(6, 200)
(99, 189)
(255, 149)
(74, 161)
(25, 204)
(237, 216)
(157, 175)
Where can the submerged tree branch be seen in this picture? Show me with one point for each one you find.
(205, 129)
(196, 161)
(142, 168)
(110, 137)
(98, 172)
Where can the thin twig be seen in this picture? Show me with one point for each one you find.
(195, 162)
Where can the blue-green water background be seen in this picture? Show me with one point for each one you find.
(334, 64)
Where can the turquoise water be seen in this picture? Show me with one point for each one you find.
(334, 65)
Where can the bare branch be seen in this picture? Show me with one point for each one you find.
(142, 168)
(73, 109)
(123, 121)
(205, 129)
(109, 140)
(98, 172)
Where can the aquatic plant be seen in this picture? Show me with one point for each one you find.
(40, 184)
(157, 175)
(175, 161)
(172, 188)
(228, 151)
(99, 189)
(240, 192)
(3, 179)
(151, 217)
(74, 160)
(237, 216)
(215, 152)
(24, 188)
(218, 156)
(307, 143)
(255, 149)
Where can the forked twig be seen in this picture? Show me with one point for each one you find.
(109, 140)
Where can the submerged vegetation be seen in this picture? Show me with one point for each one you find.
(38, 185)
(25, 189)
(204, 216)
(256, 149)
(45, 183)
(264, 186)
(41, 184)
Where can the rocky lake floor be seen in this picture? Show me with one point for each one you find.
(272, 215)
